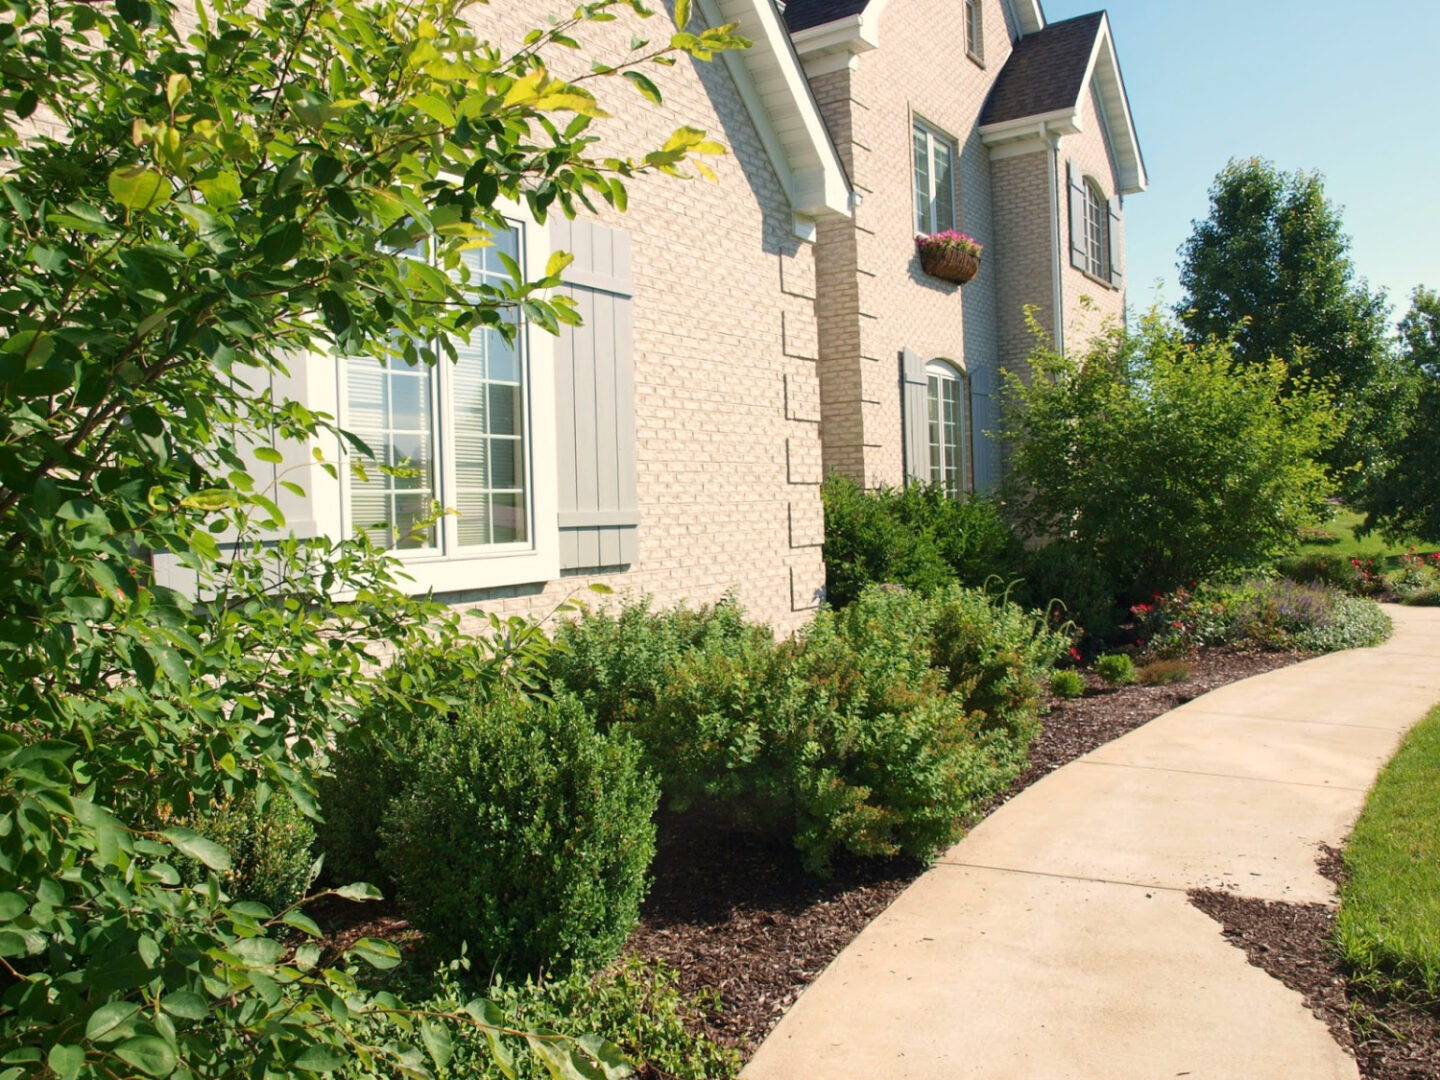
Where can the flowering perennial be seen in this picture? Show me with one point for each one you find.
(949, 240)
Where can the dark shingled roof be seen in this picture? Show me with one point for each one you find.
(1045, 71)
(803, 14)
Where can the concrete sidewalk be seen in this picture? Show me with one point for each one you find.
(1055, 941)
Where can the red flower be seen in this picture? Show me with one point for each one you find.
(1075, 654)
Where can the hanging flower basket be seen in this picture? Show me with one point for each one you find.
(951, 255)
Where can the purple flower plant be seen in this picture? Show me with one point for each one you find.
(949, 240)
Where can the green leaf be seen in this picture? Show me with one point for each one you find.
(359, 890)
(269, 454)
(197, 847)
(147, 1053)
(377, 953)
(645, 86)
(12, 944)
(137, 188)
(682, 13)
(109, 1018)
(434, 108)
(65, 1061)
(557, 263)
(303, 923)
(186, 1004)
(437, 1043)
(12, 906)
(319, 1059)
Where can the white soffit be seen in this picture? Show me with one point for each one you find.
(1104, 71)
(777, 96)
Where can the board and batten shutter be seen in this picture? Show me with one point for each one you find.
(599, 511)
(915, 415)
(1076, 183)
(1117, 249)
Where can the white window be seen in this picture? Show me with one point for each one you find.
(934, 180)
(945, 399)
(1096, 249)
(451, 435)
(975, 29)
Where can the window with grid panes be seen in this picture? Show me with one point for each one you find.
(934, 180)
(974, 29)
(1097, 227)
(452, 434)
(945, 400)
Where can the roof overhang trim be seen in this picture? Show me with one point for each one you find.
(1103, 70)
(777, 96)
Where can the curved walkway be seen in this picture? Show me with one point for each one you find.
(1055, 941)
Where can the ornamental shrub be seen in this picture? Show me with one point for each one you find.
(638, 1007)
(1171, 462)
(916, 536)
(271, 860)
(1068, 683)
(1117, 669)
(1164, 673)
(1066, 579)
(525, 835)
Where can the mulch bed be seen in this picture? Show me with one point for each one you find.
(1390, 1039)
(738, 913)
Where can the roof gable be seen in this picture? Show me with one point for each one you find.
(1044, 83)
(804, 14)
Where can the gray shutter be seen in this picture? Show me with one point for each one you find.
(595, 402)
(915, 415)
(1077, 215)
(1117, 247)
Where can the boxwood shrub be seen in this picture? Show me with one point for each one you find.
(269, 843)
(525, 834)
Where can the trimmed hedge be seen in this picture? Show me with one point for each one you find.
(269, 845)
(873, 731)
(525, 835)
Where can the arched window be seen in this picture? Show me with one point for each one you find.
(1097, 231)
(945, 395)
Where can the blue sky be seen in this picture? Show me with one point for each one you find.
(1345, 88)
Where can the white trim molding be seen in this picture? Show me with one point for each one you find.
(1027, 134)
(777, 95)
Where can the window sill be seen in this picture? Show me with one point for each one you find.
(976, 59)
(1104, 283)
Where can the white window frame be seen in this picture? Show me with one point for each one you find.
(946, 456)
(931, 192)
(1096, 245)
(449, 567)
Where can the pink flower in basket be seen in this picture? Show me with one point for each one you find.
(949, 240)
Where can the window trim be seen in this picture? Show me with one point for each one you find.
(933, 135)
(937, 374)
(480, 567)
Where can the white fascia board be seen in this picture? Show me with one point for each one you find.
(1104, 69)
(785, 115)
(853, 33)
(1031, 18)
(1062, 122)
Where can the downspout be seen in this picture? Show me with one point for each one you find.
(1052, 140)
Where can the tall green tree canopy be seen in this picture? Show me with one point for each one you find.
(1403, 499)
(187, 199)
(1269, 268)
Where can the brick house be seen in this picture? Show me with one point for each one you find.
(975, 115)
(675, 444)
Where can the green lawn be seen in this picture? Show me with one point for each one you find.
(1347, 545)
(1388, 928)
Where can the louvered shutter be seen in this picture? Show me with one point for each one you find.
(914, 408)
(599, 512)
(1117, 247)
(1076, 185)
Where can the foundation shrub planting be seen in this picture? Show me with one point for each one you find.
(1067, 684)
(269, 841)
(1163, 673)
(525, 835)
(916, 536)
(872, 731)
(1065, 579)
(1117, 669)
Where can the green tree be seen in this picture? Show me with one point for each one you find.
(186, 203)
(1170, 461)
(1403, 499)
(1269, 269)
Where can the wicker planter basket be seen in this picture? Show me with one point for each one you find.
(951, 264)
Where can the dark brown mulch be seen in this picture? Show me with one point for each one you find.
(738, 913)
(1390, 1039)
